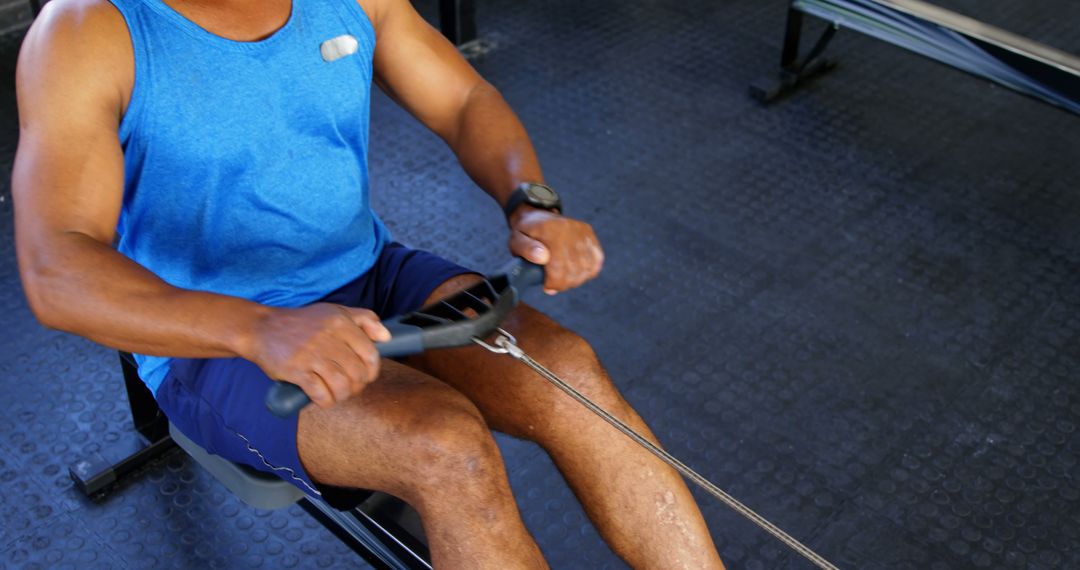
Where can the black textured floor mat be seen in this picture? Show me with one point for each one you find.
(857, 310)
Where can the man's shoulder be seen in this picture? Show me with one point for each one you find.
(78, 43)
(379, 10)
(86, 18)
(82, 30)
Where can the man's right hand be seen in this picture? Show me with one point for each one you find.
(327, 350)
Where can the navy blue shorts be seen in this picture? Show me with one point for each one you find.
(219, 403)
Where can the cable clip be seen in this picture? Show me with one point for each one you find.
(505, 343)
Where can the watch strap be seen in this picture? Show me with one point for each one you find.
(517, 197)
(521, 195)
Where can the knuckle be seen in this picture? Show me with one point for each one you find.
(324, 374)
(338, 321)
(313, 388)
(367, 351)
(351, 365)
(342, 379)
(357, 374)
(294, 365)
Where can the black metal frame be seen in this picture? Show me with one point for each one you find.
(1056, 72)
(386, 535)
(457, 20)
(100, 472)
(793, 70)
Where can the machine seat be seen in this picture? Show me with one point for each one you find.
(256, 488)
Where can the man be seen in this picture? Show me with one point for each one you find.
(221, 146)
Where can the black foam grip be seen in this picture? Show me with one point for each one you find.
(284, 399)
(524, 274)
(405, 340)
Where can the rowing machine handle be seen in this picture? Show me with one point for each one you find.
(524, 274)
(284, 399)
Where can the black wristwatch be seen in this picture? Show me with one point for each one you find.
(535, 195)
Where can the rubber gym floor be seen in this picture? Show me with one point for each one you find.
(857, 310)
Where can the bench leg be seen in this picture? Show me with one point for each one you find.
(793, 71)
(96, 474)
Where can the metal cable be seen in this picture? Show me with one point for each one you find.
(505, 343)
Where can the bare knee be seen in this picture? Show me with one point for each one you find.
(572, 357)
(450, 449)
(451, 443)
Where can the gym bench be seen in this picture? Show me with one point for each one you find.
(380, 528)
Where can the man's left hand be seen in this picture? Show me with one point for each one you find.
(567, 248)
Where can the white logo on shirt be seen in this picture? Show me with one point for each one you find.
(337, 48)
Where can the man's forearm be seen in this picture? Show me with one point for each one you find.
(492, 146)
(87, 288)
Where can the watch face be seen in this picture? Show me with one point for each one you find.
(542, 194)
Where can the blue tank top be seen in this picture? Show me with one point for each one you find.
(246, 162)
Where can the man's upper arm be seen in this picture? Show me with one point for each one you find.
(73, 80)
(418, 67)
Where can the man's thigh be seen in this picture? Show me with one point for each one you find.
(376, 440)
(394, 435)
